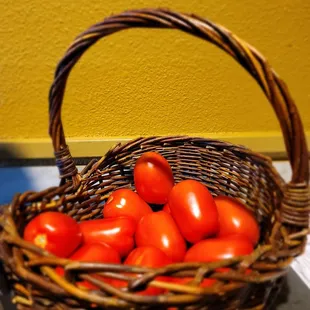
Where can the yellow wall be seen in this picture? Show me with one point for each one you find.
(146, 82)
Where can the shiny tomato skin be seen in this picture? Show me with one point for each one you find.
(94, 252)
(117, 232)
(146, 256)
(55, 232)
(226, 269)
(215, 249)
(234, 218)
(124, 202)
(194, 210)
(158, 229)
(166, 208)
(153, 178)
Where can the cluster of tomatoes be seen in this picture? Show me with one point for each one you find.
(190, 226)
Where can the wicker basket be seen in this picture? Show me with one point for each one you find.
(281, 209)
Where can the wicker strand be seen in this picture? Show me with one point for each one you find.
(295, 207)
(65, 163)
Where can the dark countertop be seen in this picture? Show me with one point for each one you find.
(294, 296)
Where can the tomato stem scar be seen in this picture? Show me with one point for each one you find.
(41, 240)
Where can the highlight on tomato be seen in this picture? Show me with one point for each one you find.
(153, 178)
(54, 232)
(125, 202)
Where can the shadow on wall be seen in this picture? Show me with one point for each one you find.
(12, 179)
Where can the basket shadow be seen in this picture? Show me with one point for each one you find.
(12, 180)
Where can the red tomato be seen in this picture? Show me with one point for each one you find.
(215, 249)
(147, 256)
(166, 208)
(95, 252)
(236, 219)
(55, 232)
(117, 232)
(153, 178)
(158, 229)
(126, 202)
(226, 269)
(194, 210)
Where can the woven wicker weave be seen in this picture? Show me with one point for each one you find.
(281, 209)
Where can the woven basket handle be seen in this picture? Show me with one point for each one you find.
(273, 87)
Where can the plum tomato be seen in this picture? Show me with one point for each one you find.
(124, 202)
(234, 218)
(194, 210)
(54, 232)
(215, 249)
(153, 178)
(118, 232)
(158, 229)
